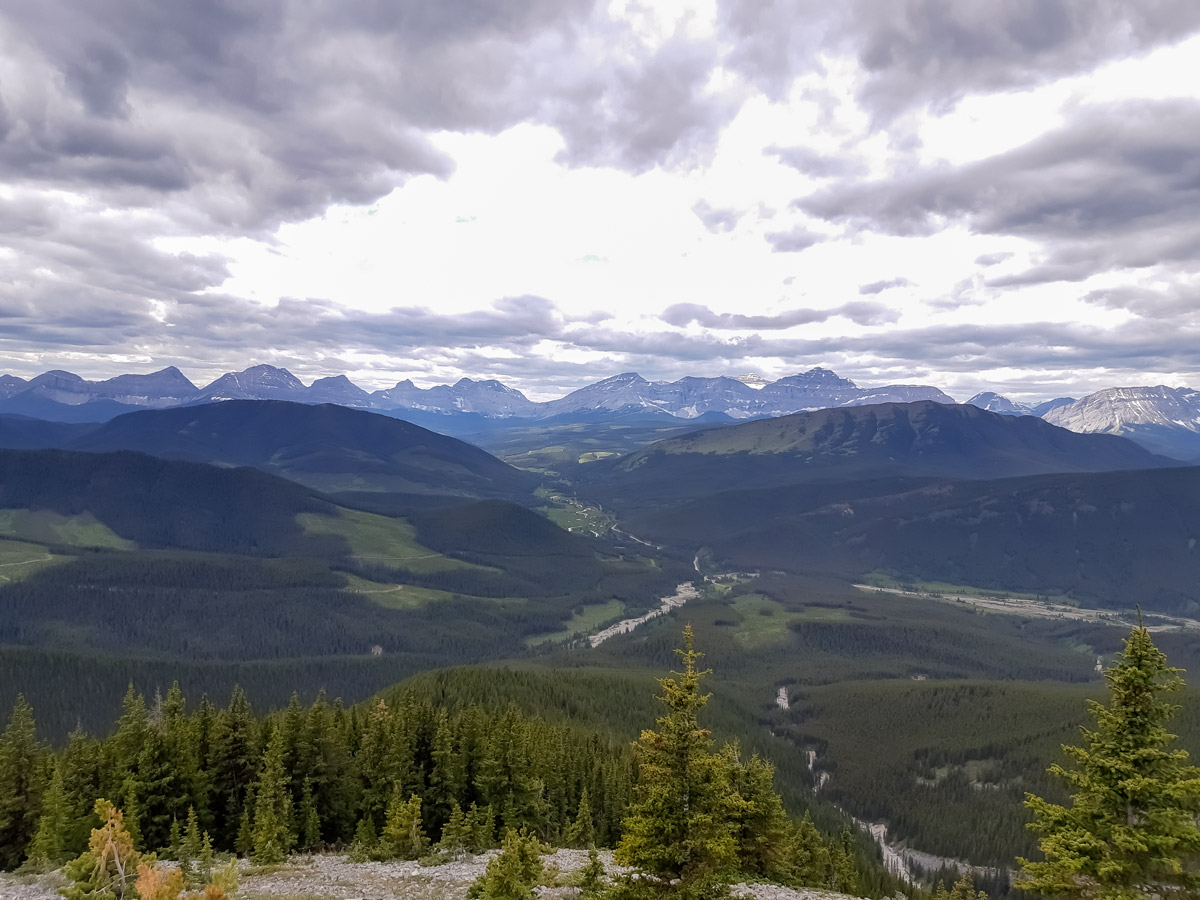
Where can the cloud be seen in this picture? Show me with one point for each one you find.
(1115, 187)
(917, 53)
(717, 221)
(859, 312)
(815, 164)
(878, 287)
(794, 240)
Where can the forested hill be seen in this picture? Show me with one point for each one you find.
(157, 502)
(884, 440)
(329, 447)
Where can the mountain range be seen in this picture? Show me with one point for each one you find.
(1163, 419)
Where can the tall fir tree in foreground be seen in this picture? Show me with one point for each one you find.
(1131, 830)
(679, 830)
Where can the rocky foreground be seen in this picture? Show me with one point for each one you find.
(328, 877)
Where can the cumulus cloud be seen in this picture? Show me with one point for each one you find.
(716, 220)
(1115, 187)
(793, 240)
(915, 53)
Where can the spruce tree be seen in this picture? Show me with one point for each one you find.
(49, 847)
(21, 783)
(454, 833)
(679, 829)
(403, 836)
(1131, 830)
(582, 833)
(272, 830)
(512, 874)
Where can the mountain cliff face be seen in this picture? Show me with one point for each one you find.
(996, 403)
(1165, 419)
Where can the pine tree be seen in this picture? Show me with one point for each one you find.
(761, 824)
(365, 845)
(309, 819)
(480, 825)
(582, 833)
(272, 834)
(512, 874)
(20, 784)
(403, 836)
(233, 767)
(191, 848)
(454, 833)
(1131, 831)
(679, 828)
(49, 846)
(591, 877)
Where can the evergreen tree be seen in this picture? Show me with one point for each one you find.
(1131, 831)
(233, 767)
(309, 819)
(403, 836)
(365, 845)
(582, 832)
(760, 822)
(49, 847)
(454, 833)
(272, 832)
(480, 825)
(679, 828)
(513, 873)
(161, 796)
(591, 877)
(21, 783)
(191, 849)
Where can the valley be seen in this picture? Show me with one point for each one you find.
(821, 559)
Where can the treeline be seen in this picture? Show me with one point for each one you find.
(329, 773)
(406, 777)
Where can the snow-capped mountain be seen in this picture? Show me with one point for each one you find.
(167, 387)
(11, 385)
(993, 402)
(260, 382)
(1046, 405)
(752, 379)
(1163, 419)
(488, 398)
(338, 389)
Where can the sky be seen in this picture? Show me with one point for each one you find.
(979, 196)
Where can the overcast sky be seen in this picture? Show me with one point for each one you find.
(975, 195)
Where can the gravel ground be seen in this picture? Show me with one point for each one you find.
(326, 877)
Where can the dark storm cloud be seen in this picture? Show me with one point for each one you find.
(933, 52)
(861, 313)
(1116, 187)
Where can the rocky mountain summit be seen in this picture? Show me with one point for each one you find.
(1163, 419)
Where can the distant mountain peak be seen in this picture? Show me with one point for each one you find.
(993, 402)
